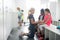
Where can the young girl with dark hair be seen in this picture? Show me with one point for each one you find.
(47, 17)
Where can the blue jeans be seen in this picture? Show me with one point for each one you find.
(19, 18)
(32, 31)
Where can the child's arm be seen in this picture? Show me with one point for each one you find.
(41, 22)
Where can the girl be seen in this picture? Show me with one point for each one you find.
(41, 18)
(40, 28)
(47, 17)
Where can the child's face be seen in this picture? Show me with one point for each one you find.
(46, 12)
(32, 11)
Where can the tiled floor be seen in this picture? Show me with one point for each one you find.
(15, 34)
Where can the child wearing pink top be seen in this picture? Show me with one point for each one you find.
(47, 17)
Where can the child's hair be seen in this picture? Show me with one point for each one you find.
(47, 10)
(42, 11)
(29, 10)
(22, 10)
(18, 8)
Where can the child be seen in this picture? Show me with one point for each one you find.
(41, 18)
(22, 17)
(32, 25)
(40, 28)
(47, 20)
(19, 14)
(47, 17)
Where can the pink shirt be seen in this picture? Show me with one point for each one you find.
(49, 21)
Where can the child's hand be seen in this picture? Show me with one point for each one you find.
(41, 22)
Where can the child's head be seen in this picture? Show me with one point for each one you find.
(47, 11)
(18, 8)
(42, 12)
(32, 10)
(22, 10)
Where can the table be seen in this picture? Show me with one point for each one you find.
(52, 32)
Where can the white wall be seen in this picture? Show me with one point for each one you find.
(53, 6)
(9, 17)
(1, 21)
(53, 9)
(59, 8)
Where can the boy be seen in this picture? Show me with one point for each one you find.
(19, 14)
